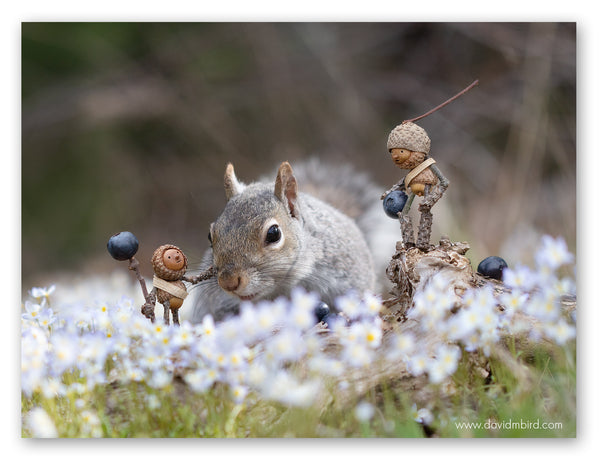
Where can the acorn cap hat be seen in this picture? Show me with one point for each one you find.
(159, 266)
(409, 136)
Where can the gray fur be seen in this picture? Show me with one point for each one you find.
(324, 250)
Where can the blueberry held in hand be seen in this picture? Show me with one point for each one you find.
(394, 202)
(492, 266)
(122, 246)
(321, 311)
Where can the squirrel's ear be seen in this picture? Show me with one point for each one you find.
(286, 188)
(232, 185)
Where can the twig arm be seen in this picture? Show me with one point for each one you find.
(207, 274)
(398, 186)
(134, 266)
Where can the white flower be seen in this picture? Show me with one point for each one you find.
(45, 292)
(183, 336)
(270, 314)
(40, 424)
(489, 319)
(350, 305)
(248, 323)
(286, 345)
(238, 358)
(303, 304)
(65, 349)
(553, 253)
(373, 333)
(364, 411)
(46, 317)
(93, 349)
(200, 380)
(138, 326)
(284, 388)
(34, 352)
(134, 373)
(464, 323)
(32, 310)
(513, 301)
(432, 304)
(521, 278)
(151, 358)
(77, 389)
(372, 303)
(444, 364)
(488, 340)
(208, 326)
(402, 345)
(257, 374)
(122, 316)
(301, 395)
(52, 387)
(544, 306)
(326, 365)
(472, 341)
(152, 402)
(229, 334)
(238, 393)
(561, 331)
(357, 354)
(90, 424)
(565, 286)
(421, 415)
(160, 378)
(417, 364)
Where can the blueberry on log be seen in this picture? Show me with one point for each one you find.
(394, 202)
(122, 246)
(321, 311)
(492, 267)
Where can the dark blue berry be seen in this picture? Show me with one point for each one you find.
(394, 202)
(122, 246)
(492, 266)
(321, 311)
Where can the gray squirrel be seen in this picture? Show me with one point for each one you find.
(274, 236)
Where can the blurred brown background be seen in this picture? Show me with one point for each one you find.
(128, 126)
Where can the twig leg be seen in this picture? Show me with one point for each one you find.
(424, 235)
(175, 313)
(426, 222)
(432, 195)
(166, 315)
(408, 235)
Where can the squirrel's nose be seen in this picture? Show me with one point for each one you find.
(229, 282)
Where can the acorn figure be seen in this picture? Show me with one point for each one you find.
(408, 145)
(169, 264)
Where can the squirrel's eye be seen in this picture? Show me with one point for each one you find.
(273, 234)
(210, 237)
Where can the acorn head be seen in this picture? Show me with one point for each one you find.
(169, 262)
(409, 136)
